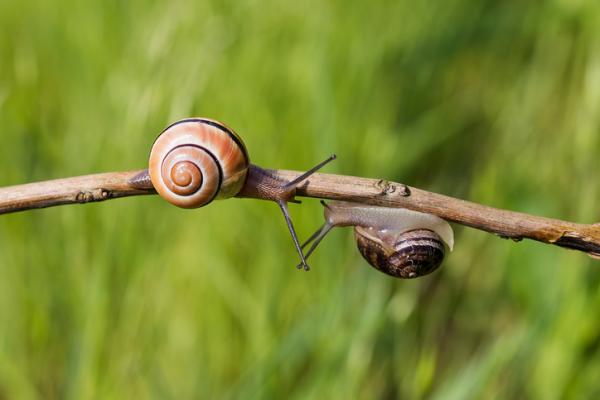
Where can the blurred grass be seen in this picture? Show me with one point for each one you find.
(496, 102)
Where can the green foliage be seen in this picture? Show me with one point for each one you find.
(496, 102)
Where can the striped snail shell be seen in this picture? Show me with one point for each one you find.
(196, 160)
(396, 241)
(407, 255)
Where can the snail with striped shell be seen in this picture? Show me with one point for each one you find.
(396, 241)
(197, 160)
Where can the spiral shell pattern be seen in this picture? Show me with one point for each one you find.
(408, 255)
(196, 160)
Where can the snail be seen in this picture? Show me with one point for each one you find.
(197, 160)
(396, 241)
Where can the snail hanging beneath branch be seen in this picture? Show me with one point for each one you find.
(396, 241)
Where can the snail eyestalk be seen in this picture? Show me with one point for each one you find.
(288, 221)
(316, 238)
(311, 171)
(291, 187)
(318, 235)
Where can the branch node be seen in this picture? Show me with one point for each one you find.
(385, 187)
(86, 196)
(404, 191)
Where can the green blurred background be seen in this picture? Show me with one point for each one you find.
(496, 102)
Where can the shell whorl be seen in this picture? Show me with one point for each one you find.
(194, 161)
(408, 255)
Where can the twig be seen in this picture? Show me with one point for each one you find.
(507, 224)
(76, 190)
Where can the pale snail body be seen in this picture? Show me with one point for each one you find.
(396, 241)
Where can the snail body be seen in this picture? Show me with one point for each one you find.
(197, 160)
(396, 241)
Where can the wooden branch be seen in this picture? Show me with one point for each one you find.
(507, 224)
(76, 190)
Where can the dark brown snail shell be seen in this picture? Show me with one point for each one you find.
(408, 255)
